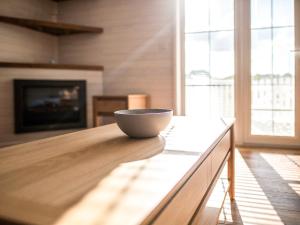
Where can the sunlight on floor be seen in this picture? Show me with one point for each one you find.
(286, 166)
(262, 179)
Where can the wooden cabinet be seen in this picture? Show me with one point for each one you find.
(104, 106)
(183, 206)
(190, 204)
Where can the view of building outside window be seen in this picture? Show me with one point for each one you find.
(272, 68)
(209, 57)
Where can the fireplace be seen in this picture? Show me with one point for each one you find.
(43, 105)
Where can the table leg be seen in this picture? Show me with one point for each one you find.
(231, 167)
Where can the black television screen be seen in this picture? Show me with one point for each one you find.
(49, 105)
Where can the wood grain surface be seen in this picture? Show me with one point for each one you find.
(100, 175)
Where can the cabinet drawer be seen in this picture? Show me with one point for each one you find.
(182, 207)
(109, 106)
(219, 153)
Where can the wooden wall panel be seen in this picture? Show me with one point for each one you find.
(19, 44)
(22, 44)
(31, 9)
(136, 48)
(7, 136)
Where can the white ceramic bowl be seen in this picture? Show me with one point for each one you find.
(143, 123)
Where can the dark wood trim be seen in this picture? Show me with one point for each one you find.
(50, 66)
(105, 114)
(116, 97)
(55, 28)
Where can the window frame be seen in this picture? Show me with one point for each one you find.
(242, 78)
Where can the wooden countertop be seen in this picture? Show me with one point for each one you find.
(100, 176)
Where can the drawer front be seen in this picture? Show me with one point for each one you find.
(184, 204)
(219, 153)
(109, 105)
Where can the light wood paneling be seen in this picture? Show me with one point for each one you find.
(31, 9)
(18, 44)
(136, 49)
(7, 136)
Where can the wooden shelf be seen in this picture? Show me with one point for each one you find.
(209, 214)
(50, 66)
(55, 28)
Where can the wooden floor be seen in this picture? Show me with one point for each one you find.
(267, 189)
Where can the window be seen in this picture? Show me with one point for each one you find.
(266, 50)
(272, 67)
(209, 57)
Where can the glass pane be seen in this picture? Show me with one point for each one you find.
(214, 100)
(283, 93)
(196, 15)
(261, 13)
(261, 121)
(283, 13)
(284, 123)
(197, 60)
(261, 94)
(261, 53)
(284, 79)
(222, 57)
(222, 72)
(221, 9)
(197, 73)
(272, 69)
(209, 59)
(197, 100)
(283, 56)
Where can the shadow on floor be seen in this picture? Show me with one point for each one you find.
(267, 190)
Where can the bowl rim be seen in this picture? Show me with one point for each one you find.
(137, 112)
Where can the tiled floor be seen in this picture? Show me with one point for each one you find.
(267, 189)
